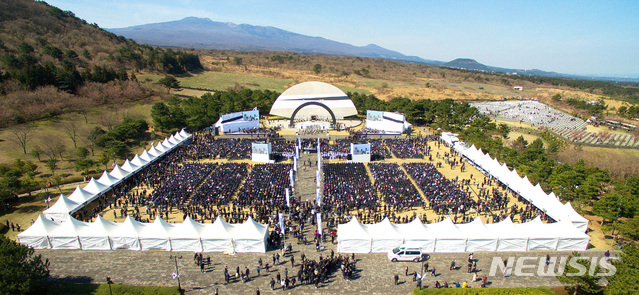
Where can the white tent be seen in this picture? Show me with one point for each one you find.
(155, 152)
(178, 137)
(250, 236)
(185, 236)
(577, 220)
(160, 148)
(184, 133)
(95, 236)
(82, 196)
(147, 157)
(539, 236)
(384, 236)
(173, 140)
(155, 236)
(107, 179)
(61, 209)
(352, 237)
(95, 187)
(36, 236)
(65, 236)
(126, 235)
(217, 236)
(167, 145)
(570, 238)
(510, 239)
(449, 239)
(138, 161)
(479, 238)
(118, 173)
(127, 166)
(416, 234)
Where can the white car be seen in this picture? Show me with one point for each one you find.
(403, 253)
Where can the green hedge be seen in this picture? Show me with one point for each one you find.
(491, 291)
(94, 289)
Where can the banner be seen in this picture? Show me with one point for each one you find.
(299, 142)
(317, 176)
(319, 222)
(291, 178)
(281, 222)
(295, 164)
(288, 199)
(297, 152)
(319, 197)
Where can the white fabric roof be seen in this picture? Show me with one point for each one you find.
(118, 173)
(81, 196)
(96, 187)
(138, 161)
(61, 209)
(107, 179)
(127, 166)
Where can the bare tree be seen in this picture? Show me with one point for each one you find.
(21, 136)
(71, 129)
(108, 120)
(89, 143)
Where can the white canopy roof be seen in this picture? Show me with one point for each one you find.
(138, 161)
(81, 196)
(63, 206)
(96, 187)
(218, 230)
(155, 152)
(107, 179)
(118, 173)
(127, 166)
(147, 157)
(36, 235)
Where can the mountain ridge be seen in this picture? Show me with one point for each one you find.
(204, 33)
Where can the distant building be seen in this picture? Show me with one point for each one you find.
(518, 88)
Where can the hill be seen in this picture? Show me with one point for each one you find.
(203, 33)
(53, 62)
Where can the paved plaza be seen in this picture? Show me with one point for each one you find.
(373, 274)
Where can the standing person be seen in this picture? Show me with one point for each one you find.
(257, 292)
(292, 260)
(202, 267)
(452, 265)
(474, 277)
(396, 279)
(258, 270)
(433, 272)
(406, 271)
(272, 283)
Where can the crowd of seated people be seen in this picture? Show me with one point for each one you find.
(220, 186)
(347, 186)
(394, 187)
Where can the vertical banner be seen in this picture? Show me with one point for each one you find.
(319, 197)
(295, 164)
(319, 222)
(299, 142)
(282, 222)
(317, 176)
(291, 178)
(288, 199)
(297, 152)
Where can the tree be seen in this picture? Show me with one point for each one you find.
(630, 227)
(36, 152)
(556, 97)
(170, 83)
(584, 283)
(52, 165)
(317, 68)
(21, 136)
(626, 279)
(22, 271)
(104, 159)
(71, 129)
(237, 60)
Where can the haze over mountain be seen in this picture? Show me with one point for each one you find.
(203, 33)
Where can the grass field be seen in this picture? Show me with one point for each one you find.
(104, 289)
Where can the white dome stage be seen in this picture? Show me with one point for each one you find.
(313, 101)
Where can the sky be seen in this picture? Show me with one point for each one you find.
(598, 38)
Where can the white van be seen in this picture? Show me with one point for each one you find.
(403, 253)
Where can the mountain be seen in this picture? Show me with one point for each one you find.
(203, 33)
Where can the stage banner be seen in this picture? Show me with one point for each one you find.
(288, 199)
(281, 215)
(319, 222)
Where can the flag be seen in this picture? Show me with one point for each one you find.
(288, 200)
(175, 276)
(281, 216)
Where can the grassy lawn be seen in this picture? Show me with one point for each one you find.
(95, 289)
